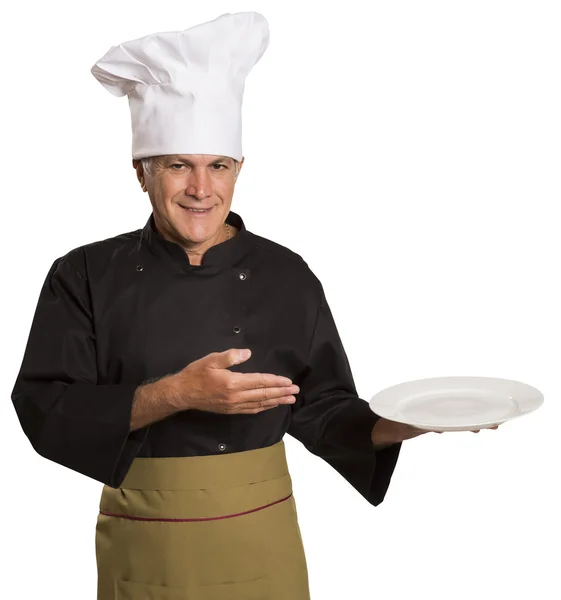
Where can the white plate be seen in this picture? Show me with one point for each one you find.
(456, 403)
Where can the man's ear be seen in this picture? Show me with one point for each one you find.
(137, 164)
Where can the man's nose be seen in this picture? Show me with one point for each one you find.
(199, 184)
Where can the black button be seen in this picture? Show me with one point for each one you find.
(139, 267)
(242, 276)
(222, 447)
(237, 329)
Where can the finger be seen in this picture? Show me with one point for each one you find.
(255, 407)
(265, 394)
(250, 381)
(267, 403)
(475, 430)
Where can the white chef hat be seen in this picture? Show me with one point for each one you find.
(185, 88)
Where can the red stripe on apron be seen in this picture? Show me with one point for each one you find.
(198, 519)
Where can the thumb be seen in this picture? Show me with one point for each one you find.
(228, 358)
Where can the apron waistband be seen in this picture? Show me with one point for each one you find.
(207, 472)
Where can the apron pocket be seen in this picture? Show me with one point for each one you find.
(256, 589)
(133, 590)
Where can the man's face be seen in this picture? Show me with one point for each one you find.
(177, 182)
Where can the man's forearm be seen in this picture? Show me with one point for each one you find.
(155, 401)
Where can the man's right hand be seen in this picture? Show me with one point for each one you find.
(207, 384)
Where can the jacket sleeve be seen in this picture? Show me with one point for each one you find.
(67, 417)
(331, 420)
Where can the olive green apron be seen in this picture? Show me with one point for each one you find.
(220, 527)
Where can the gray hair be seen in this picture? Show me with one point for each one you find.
(148, 163)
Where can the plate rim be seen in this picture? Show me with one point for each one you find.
(386, 409)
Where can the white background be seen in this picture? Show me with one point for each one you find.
(409, 151)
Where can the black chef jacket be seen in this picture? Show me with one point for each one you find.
(115, 313)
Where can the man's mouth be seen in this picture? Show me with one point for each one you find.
(197, 211)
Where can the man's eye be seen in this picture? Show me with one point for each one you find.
(177, 165)
(218, 165)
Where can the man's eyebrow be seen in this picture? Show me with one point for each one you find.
(186, 161)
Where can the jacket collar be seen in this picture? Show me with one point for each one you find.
(224, 254)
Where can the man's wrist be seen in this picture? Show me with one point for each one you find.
(381, 434)
(382, 446)
(173, 392)
(155, 399)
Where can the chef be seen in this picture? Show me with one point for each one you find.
(169, 362)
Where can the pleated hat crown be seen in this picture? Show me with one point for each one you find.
(185, 88)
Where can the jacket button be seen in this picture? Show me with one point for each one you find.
(222, 447)
(237, 329)
(242, 276)
(139, 267)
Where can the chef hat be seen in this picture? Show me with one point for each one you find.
(185, 88)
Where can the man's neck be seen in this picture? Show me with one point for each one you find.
(196, 258)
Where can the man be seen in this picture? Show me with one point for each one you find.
(168, 362)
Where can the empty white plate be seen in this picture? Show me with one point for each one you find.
(456, 403)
